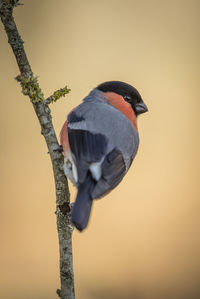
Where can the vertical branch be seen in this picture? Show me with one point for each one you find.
(31, 88)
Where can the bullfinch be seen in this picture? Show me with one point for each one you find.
(100, 140)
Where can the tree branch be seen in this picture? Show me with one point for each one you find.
(31, 88)
(57, 94)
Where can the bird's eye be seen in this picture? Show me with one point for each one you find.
(128, 99)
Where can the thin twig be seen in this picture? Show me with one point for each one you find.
(57, 95)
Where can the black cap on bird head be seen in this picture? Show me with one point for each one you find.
(128, 92)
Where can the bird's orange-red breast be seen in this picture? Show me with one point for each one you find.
(118, 102)
(64, 140)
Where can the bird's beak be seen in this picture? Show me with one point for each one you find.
(141, 108)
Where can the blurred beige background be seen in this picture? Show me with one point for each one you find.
(143, 239)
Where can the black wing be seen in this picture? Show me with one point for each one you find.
(86, 148)
(113, 171)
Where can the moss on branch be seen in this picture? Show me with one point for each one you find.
(31, 88)
(58, 94)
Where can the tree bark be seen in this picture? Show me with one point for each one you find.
(31, 88)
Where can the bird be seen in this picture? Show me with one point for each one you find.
(100, 140)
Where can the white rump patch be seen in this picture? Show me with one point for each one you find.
(95, 169)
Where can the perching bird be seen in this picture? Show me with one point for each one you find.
(100, 140)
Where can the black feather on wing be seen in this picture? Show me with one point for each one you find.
(113, 171)
(86, 148)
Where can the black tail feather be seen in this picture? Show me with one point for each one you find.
(83, 204)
